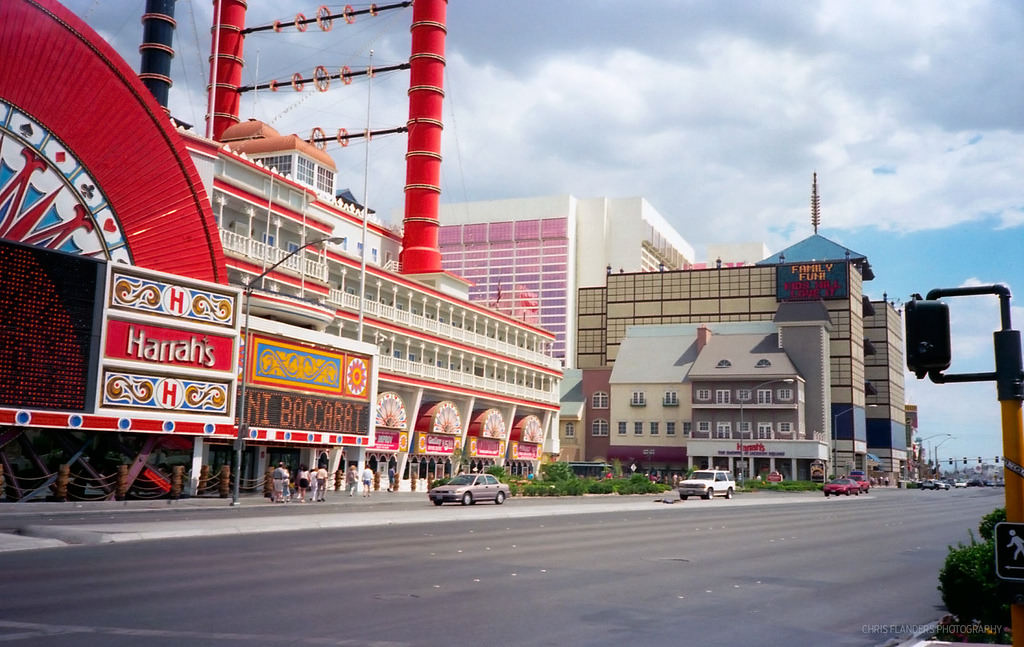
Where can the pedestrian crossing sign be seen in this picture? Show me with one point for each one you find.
(1010, 551)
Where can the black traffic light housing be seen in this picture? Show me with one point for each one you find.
(928, 347)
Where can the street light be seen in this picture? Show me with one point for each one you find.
(935, 453)
(243, 428)
(922, 442)
(743, 451)
(835, 433)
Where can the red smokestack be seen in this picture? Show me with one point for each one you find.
(226, 64)
(420, 251)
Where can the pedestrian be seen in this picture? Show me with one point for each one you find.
(367, 480)
(302, 480)
(287, 491)
(280, 476)
(321, 482)
(392, 485)
(314, 486)
(351, 480)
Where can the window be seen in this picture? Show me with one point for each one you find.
(670, 428)
(723, 363)
(723, 429)
(325, 179)
(744, 429)
(671, 399)
(764, 430)
(763, 363)
(654, 428)
(283, 163)
(570, 430)
(292, 247)
(599, 400)
(687, 429)
(722, 396)
(638, 399)
(703, 394)
(305, 171)
(785, 395)
(764, 396)
(785, 427)
(622, 428)
(704, 426)
(599, 428)
(743, 395)
(638, 429)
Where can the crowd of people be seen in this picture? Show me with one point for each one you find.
(312, 484)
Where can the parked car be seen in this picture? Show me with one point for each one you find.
(975, 483)
(861, 479)
(467, 489)
(960, 483)
(708, 483)
(933, 484)
(843, 485)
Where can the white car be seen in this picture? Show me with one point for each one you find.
(708, 483)
(959, 483)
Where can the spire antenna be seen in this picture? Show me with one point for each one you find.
(815, 204)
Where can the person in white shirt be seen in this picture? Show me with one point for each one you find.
(367, 480)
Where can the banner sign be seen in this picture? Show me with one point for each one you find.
(812, 281)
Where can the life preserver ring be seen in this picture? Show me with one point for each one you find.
(373, 9)
(346, 75)
(321, 79)
(300, 23)
(318, 138)
(273, 86)
(297, 82)
(343, 137)
(323, 18)
(277, 26)
(347, 12)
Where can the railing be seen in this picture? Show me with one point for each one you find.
(258, 251)
(428, 371)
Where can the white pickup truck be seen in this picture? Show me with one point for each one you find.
(708, 483)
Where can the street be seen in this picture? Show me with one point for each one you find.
(763, 569)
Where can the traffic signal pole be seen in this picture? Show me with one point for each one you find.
(928, 347)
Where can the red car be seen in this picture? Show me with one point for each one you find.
(842, 486)
(865, 484)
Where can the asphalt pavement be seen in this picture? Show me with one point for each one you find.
(44, 525)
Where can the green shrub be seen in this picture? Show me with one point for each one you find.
(498, 473)
(987, 527)
(600, 486)
(970, 589)
(557, 471)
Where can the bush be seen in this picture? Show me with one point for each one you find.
(987, 527)
(498, 473)
(600, 486)
(968, 583)
(970, 589)
(557, 472)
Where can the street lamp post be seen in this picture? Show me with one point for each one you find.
(935, 454)
(922, 441)
(243, 427)
(743, 451)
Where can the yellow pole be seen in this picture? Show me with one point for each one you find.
(1012, 425)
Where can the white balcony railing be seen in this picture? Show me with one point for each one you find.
(261, 253)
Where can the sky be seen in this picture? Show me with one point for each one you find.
(716, 112)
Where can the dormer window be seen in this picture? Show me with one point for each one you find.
(763, 363)
(724, 363)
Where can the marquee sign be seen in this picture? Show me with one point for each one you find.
(486, 447)
(391, 440)
(170, 344)
(279, 363)
(436, 444)
(522, 451)
(272, 409)
(812, 281)
(49, 322)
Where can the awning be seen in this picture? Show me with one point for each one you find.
(635, 454)
(873, 459)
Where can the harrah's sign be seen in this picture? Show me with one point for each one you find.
(753, 447)
(168, 346)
